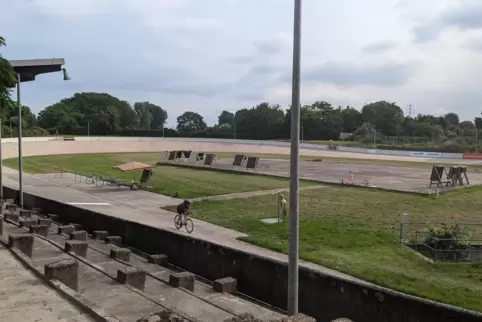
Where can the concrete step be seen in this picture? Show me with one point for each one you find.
(148, 289)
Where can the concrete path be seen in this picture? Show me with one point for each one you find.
(150, 215)
(26, 298)
(243, 195)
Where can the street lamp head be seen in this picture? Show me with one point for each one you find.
(66, 75)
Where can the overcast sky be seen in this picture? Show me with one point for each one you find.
(211, 55)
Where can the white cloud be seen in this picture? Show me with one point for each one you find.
(212, 55)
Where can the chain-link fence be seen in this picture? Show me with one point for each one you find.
(461, 241)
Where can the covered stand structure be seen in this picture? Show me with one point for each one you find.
(27, 70)
(134, 167)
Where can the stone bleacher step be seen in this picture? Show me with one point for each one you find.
(84, 264)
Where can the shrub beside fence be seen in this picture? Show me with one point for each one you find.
(443, 241)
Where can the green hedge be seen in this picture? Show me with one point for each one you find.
(447, 148)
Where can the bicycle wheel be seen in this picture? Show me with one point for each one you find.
(89, 180)
(99, 182)
(189, 225)
(178, 221)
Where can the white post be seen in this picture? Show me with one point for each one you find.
(405, 221)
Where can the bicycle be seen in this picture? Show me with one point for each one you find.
(187, 223)
(95, 180)
(91, 180)
(100, 181)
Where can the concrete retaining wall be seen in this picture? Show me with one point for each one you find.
(441, 155)
(322, 297)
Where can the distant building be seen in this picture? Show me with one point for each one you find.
(344, 136)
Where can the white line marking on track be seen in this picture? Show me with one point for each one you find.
(89, 203)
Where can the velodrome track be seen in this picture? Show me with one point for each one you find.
(55, 146)
(142, 207)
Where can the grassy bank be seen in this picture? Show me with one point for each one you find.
(356, 231)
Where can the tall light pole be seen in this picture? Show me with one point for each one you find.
(374, 137)
(1, 165)
(88, 128)
(234, 125)
(476, 140)
(295, 166)
(27, 70)
(20, 159)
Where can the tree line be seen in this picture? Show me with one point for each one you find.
(375, 124)
(378, 123)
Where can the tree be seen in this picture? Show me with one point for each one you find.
(59, 118)
(386, 117)
(7, 80)
(366, 132)
(190, 122)
(262, 122)
(143, 114)
(351, 119)
(158, 117)
(104, 113)
(226, 118)
(451, 119)
(150, 116)
(478, 122)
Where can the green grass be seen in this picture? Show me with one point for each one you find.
(167, 180)
(356, 231)
(152, 158)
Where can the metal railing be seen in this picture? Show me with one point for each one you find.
(463, 245)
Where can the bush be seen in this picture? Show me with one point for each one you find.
(446, 237)
(33, 131)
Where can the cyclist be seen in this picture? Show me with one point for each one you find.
(183, 209)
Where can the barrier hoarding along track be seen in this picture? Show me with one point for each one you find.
(472, 156)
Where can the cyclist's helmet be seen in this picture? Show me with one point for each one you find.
(187, 202)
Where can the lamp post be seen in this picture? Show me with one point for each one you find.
(88, 128)
(476, 140)
(1, 165)
(374, 137)
(27, 70)
(295, 166)
(302, 130)
(234, 126)
(20, 160)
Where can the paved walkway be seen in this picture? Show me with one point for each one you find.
(243, 195)
(26, 298)
(124, 207)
